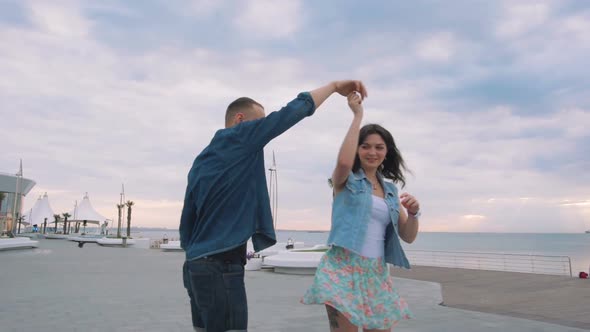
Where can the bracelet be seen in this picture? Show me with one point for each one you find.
(415, 215)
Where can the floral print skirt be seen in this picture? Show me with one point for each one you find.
(360, 288)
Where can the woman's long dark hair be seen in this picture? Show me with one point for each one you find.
(394, 164)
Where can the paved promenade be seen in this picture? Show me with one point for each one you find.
(60, 287)
(555, 299)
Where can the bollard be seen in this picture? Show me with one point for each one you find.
(124, 242)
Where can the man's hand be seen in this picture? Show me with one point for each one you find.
(349, 86)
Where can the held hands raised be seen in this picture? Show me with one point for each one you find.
(355, 103)
(347, 87)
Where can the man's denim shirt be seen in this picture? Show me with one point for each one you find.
(351, 211)
(226, 200)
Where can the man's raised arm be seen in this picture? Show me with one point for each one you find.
(259, 132)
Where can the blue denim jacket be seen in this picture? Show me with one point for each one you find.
(226, 200)
(351, 212)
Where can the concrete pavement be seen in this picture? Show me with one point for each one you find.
(60, 287)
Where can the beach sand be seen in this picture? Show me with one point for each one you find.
(60, 287)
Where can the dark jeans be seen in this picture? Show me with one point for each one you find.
(217, 294)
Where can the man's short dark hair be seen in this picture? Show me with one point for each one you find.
(242, 104)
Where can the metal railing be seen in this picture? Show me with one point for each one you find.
(539, 264)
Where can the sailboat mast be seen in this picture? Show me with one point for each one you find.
(274, 195)
(122, 202)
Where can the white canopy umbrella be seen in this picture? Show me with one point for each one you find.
(85, 212)
(41, 210)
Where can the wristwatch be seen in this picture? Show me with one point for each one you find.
(415, 215)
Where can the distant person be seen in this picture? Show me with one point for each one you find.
(352, 279)
(226, 202)
(290, 244)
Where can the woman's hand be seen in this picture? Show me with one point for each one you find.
(410, 203)
(408, 230)
(355, 103)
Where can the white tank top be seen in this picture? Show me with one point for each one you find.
(375, 236)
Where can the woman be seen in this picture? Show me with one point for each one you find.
(352, 279)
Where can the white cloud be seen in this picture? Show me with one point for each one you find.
(61, 18)
(389, 64)
(519, 18)
(473, 216)
(579, 25)
(201, 8)
(439, 47)
(540, 37)
(269, 19)
(84, 115)
(91, 116)
(581, 203)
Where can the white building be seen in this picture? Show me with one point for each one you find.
(13, 188)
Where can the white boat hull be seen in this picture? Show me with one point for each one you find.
(276, 249)
(295, 262)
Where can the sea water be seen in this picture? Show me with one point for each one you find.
(574, 246)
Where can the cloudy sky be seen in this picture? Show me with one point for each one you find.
(489, 101)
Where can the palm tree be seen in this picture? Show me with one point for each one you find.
(66, 216)
(129, 205)
(56, 217)
(120, 208)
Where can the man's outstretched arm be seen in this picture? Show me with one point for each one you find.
(259, 132)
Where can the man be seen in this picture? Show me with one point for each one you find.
(226, 202)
